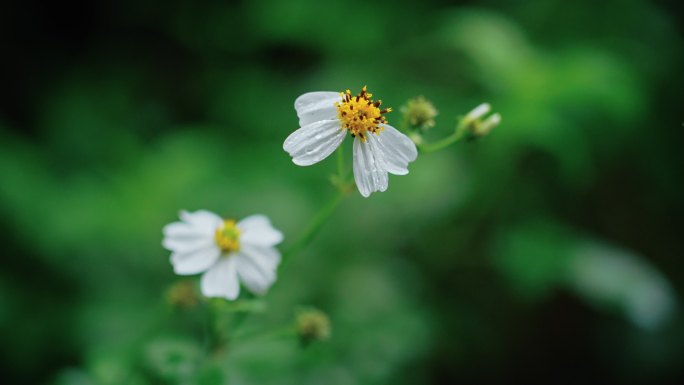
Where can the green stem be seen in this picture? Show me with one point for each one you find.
(314, 226)
(215, 340)
(224, 318)
(286, 331)
(322, 216)
(443, 143)
(245, 305)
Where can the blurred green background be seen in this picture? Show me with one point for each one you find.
(547, 252)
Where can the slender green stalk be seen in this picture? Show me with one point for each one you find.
(249, 304)
(326, 212)
(285, 331)
(443, 143)
(215, 340)
(225, 318)
(314, 226)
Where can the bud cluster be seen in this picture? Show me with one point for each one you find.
(419, 114)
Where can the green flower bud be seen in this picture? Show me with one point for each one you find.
(312, 325)
(182, 295)
(419, 113)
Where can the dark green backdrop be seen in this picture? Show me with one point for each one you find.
(548, 252)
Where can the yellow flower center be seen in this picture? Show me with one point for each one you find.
(228, 236)
(360, 114)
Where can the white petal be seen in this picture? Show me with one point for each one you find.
(202, 219)
(314, 106)
(256, 267)
(221, 280)
(196, 260)
(314, 142)
(182, 236)
(182, 230)
(369, 173)
(257, 230)
(395, 149)
(269, 257)
(187, 244)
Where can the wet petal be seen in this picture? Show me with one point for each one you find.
(314, 106)
(395, 149)
(369, 173)
(314, 142)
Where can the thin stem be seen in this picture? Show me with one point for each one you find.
(215, 340)
(443, 143)
(245, 305)
(223, 318)
(286, 331)
(324, 214)
(314, 226)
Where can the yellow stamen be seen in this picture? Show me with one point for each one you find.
(360, 114)
(228, 236)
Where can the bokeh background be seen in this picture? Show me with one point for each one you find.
(548, 252)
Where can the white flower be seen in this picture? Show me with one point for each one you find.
(325, 118)
(227, 252)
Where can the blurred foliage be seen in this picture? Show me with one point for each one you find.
(549, 251)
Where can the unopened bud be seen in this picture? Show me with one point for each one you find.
(477, 113)
(419, 113)
(312, 325)
(485, 127)
(474, 124)
(182, 294)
